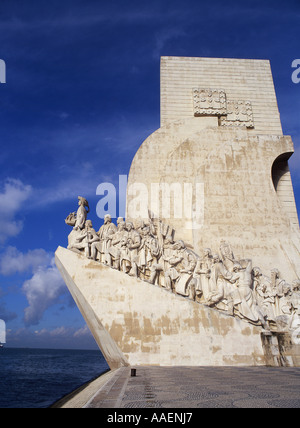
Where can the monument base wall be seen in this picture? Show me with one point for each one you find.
(136, 323)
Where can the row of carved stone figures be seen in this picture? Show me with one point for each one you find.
(148, 251)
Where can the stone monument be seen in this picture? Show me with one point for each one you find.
(205, 268)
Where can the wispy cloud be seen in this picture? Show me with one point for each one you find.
(43, 290)
(166, 35)
(74, 160)
(14, 261)
(62, 337)
(12, 198)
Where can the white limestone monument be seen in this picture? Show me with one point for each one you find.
(205, 268)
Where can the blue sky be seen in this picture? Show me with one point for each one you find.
(82, 94)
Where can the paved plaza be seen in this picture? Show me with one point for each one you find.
(199, 387)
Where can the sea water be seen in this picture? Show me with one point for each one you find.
(36, 378)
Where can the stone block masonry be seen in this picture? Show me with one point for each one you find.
(246, 79)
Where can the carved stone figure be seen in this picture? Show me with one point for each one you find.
(221, 287)
(118, 245)
(82, 240)
(296, 296)
(90, 238)
(264, 293)
(82, 212)
(105, 234)
(286, 309)
(148, 251)
(247, 307)
(172, 273)
(278, 289)
(285, 304)
(227, 255)
(162, 264)
(133, 244)
(186, 283)
(75, 241)
(179, 276)
(203, 269)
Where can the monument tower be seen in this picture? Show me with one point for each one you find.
(205, 268)
(220, 128)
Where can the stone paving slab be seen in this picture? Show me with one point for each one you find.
(201, 387)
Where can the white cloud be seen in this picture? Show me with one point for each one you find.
(15, 193)
(14, 261)
(82, 332)
(61, 337)
(64, 332)
(44, 289)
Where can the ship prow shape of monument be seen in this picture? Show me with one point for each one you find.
(216, 280)
(149, 299)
